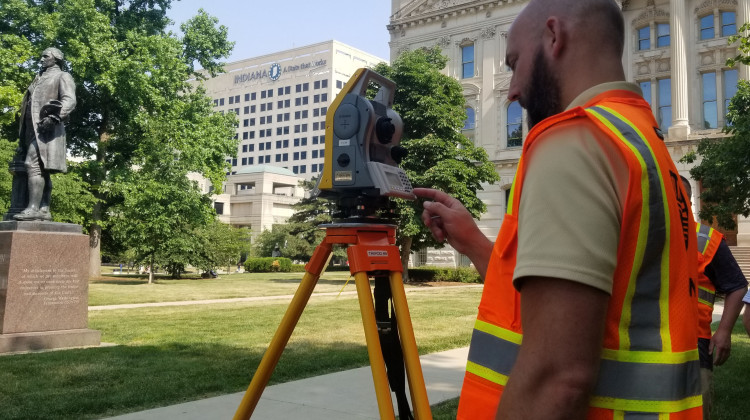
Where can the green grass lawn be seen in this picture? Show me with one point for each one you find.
(135, 289)
(167, 355)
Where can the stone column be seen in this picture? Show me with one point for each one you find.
(486, 136)
(743, 16)
(680, 128)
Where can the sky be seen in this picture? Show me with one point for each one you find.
(268, 26)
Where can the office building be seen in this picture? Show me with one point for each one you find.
(281, 101)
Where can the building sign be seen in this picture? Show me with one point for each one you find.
(275, 71)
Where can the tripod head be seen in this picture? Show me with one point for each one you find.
(362, 150)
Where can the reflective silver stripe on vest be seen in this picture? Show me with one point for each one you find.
(640, 416)
(648, 381)
(645, 310)
(485, 349)
(706, 296)
(617, 379)
(704, 236)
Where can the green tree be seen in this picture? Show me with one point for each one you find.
(221, 244)
(743, 46)
(724, 170)
(432, 105)
(290, 246)
(133, 79)
(14, 78)
(72, 199)
(309, 214)
(157, 219)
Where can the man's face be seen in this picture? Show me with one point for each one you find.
(543, 91)
(534, 83)
(47, 60)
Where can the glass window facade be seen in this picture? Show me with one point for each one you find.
(710, 112)
(470, 122)
(514, 125)
(644, 38)
(728, 24)
(707, 27)
(662, 35)
(646, 89)
(467, 61)
(664, 115)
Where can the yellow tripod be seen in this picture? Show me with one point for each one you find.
(371, 248)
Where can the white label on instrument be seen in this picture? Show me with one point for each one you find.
(377, 253)
(342, 176)
(343, 143)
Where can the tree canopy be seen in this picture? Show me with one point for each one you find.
(724, 169)
(140, 102)
(432, 107)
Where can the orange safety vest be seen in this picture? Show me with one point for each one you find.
(708, 242)
(649, 361)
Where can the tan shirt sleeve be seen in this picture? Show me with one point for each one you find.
(571, 206)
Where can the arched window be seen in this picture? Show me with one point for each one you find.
(470, 122)
(644, 38)
(728, 24)
(514, 124)
(707, 26)
(662, 35)
(467, 61)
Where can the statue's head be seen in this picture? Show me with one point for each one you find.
(52, 56)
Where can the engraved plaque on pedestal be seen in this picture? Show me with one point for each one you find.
(43, 287)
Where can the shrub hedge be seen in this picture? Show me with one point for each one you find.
(421, 274)
(268, 265)
(461, 274)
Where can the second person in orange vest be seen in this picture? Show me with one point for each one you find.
(718, 272)
(589, 303)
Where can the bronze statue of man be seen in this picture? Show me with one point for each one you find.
(46, 106)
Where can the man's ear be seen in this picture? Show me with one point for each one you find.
(555, 36)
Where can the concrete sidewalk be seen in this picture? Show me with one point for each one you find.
(337, 396)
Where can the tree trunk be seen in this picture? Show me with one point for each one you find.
(95, 229)
(151, 270)
(95, 259)
(405, 251)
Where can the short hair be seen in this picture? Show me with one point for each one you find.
(54, 52)
(608, 16)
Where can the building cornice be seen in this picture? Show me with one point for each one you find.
(427, 11)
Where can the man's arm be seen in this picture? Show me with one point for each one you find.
(727, 277)
(449, 220)
(721, 340)
(558, 364)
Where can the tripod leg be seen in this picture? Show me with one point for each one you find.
(377, 364)
(286, 327)
(409, 346)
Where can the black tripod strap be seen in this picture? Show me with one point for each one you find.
(390, 345)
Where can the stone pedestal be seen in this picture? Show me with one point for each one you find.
(44, 287)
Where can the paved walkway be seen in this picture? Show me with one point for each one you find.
(347, 395)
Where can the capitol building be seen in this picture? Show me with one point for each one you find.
(674, 50)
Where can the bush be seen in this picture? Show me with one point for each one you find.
(268, 265)
(461, 274)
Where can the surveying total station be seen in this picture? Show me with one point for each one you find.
(361, 173)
